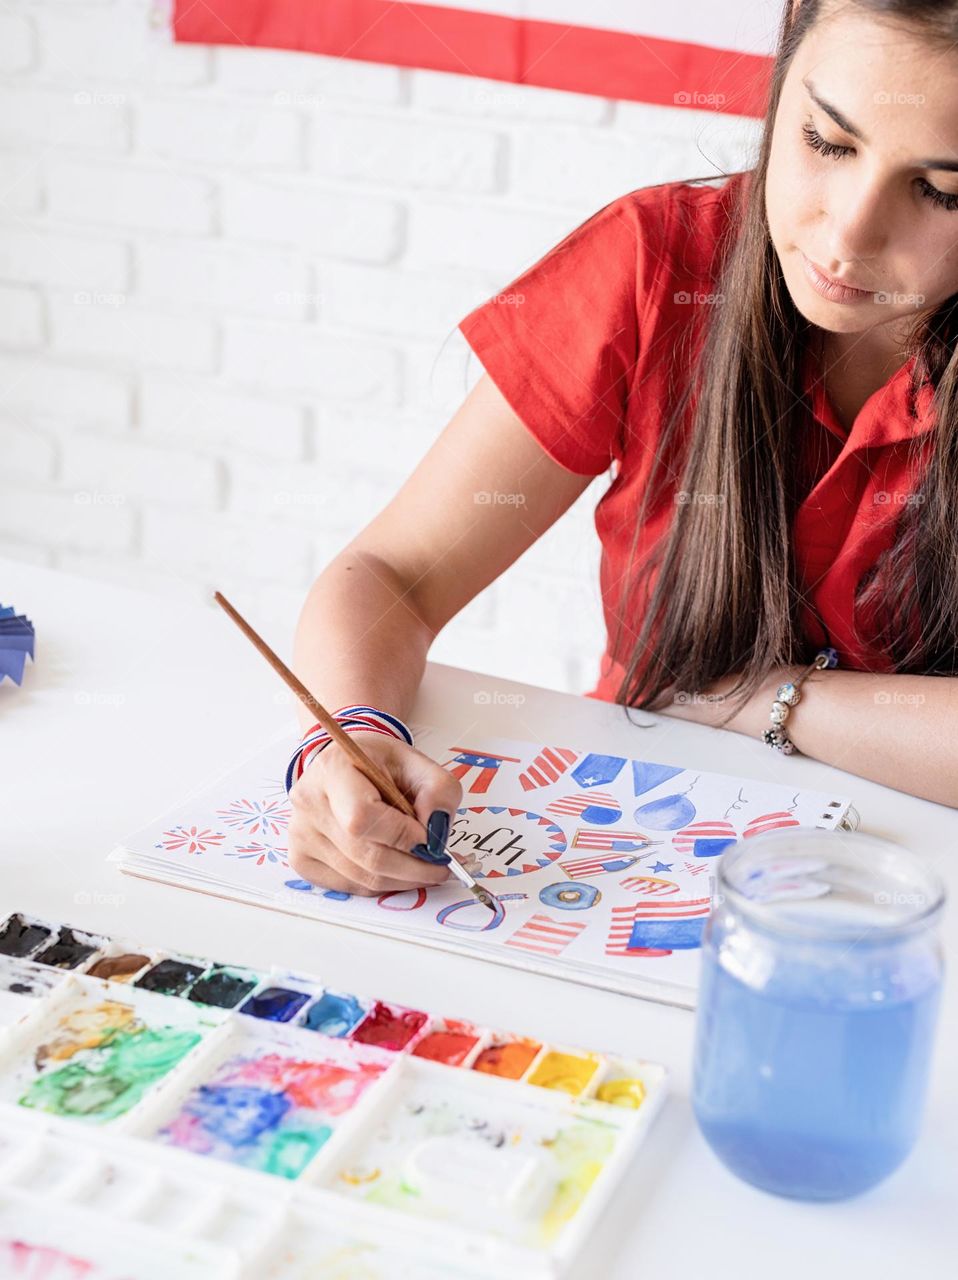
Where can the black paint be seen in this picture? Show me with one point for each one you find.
(68, 951)
(18, 938)
(275, 1004)
(171, 977)
(224, 988)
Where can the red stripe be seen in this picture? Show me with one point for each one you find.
(553, 55)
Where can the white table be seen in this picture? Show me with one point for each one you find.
(133, 701)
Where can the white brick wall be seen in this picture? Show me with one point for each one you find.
(229, 285)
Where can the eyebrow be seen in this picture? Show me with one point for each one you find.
(944, 164)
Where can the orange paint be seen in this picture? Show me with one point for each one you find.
(510, 1060)
(450, 1045)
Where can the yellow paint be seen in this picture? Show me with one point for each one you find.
(357, 1179)
(622, 1093)
(86, 1028)
(565, 1071)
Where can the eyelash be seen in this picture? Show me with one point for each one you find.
(817, 143)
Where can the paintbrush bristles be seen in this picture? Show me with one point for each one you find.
(363, 763)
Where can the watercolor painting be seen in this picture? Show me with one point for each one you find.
(601, 867)
(271, 1108)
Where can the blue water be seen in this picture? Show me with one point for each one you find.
(802, 1093)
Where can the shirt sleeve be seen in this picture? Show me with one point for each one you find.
(561, 342)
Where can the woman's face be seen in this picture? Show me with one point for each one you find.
(878, 210)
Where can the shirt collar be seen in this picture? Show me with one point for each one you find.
(892, 413)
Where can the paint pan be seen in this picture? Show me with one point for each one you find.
(276, 1001)
(119, 961)
(461, 1147)
(23, 985)
(69, 948)
(96, 1056)
(507, 1056)
(22, 935)
(390, 1026)
(172, 975)
(273, 1098)
(334, 1013)
(223, 986)
(629, 1084)
(450, 1041)
(569, 1070)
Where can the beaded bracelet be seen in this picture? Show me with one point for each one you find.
(352, 719)
(789, 695)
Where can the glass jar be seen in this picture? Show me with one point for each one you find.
(821, 975)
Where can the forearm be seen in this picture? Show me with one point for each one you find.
(898, 730)
(360, 639)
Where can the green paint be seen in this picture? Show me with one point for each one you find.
(290, 1151)
(107, 1081)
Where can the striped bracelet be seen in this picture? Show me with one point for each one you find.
(352, 719)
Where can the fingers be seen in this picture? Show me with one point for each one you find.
(332, 859)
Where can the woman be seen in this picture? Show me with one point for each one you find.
(765, 364)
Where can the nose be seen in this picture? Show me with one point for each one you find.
(858, 227)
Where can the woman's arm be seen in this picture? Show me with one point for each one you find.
(899, 730)
(480, 497)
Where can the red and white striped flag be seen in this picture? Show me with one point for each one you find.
(618, 840)
(545, 936)
(709, 55)
(548, 766)
(582, 868)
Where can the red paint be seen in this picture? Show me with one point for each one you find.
(450, 1045)
(388, 1027)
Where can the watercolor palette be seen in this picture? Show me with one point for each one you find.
(602, 868)
(334, 1133)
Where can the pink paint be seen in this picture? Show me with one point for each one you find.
(320, 1086)
(389, 1027)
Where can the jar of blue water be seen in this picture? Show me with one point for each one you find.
(819, 995)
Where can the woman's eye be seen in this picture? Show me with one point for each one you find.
(943, 199)
(818, 143)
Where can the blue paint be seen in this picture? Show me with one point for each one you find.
(597, 770)
(237, 1113)
(333, 1015)
(662, 866)
(646, 775)
(676, 935)
(306, 886)
(801, 1090)
(598, 815)
(667, 814)
(275, 1004)
(711, 846)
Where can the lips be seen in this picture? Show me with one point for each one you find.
(828, 287)
(842, 284)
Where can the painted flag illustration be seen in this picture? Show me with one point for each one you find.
(619, 937)
(582, 868)
(676, 923)
(462, 765)
(705, 839)
(547, 767)
(695, 868)
(770, 822)
(597, 770)
(596, 806)
(652, 886)
(619, 841)
(544, 936)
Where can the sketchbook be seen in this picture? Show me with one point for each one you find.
(602, 866)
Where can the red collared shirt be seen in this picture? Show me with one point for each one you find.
(583, 345)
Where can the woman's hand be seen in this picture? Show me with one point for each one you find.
(343, 835)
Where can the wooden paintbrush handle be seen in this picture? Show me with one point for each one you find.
(364, 763)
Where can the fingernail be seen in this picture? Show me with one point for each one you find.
(420, 851)
(437, 829)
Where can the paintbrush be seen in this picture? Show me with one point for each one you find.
(364, 763)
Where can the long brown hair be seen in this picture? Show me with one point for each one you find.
(717, 594)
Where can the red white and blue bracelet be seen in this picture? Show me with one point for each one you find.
(352, 719)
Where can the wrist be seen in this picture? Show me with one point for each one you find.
(355, 718)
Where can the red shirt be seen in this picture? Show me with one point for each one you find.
(582, 345)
